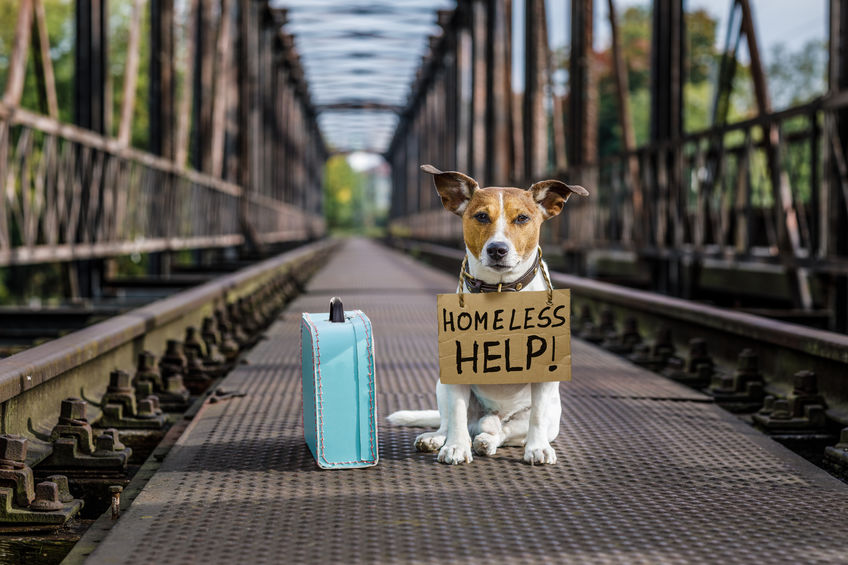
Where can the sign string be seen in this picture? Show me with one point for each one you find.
(462, 275)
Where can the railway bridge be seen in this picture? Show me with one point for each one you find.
(181, 179)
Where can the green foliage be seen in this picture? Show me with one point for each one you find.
(635, 33)
(344, 202)
(120, 18)
(794, 77)
(60, 30)
(701, 51)
(797, 77)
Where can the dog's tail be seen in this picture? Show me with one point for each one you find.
(415, 418)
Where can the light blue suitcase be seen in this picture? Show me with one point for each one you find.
(339, 388)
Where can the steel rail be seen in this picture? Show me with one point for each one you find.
(33, 382)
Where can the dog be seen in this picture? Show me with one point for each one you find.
(501, 228)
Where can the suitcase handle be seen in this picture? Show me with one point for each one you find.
(336, 310)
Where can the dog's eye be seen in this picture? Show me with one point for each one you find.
(482, 217)
(521, 219)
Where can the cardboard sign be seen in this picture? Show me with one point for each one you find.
(507, 337)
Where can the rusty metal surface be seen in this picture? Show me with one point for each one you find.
(648, 472)
(37, 365)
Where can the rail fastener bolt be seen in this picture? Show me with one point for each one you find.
(116, 491)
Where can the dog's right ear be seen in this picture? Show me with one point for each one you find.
(454, 188)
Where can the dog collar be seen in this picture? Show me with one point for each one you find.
(476, 285)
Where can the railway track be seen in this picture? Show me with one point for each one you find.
(81, 414)
(790, 381)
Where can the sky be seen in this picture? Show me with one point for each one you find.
(791, 22)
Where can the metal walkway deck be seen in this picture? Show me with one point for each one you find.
(648, 472)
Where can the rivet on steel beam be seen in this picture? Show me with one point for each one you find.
(146, 409)
(14, 471)
(72, 410)
(801, 412)
(768, 405)
(64, 489)
(607, 321)
(108, 443)
(170, 390)
(73, 426)
(697, 371)
(120, 381)
(196, 378)
(744, 390)
(625, 341)
(146, 370)
(193, 342)
(21, 502)
(663, 346)
(173, 362)
(698, 354)
(780, 410)
(46, 497)
(13, 451)
(209, 332)
(805, 382)
(836, 457)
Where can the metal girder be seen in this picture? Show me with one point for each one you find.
(834, 199)
(667, 70)
(359, 56)
(91, 65)
(360, 105)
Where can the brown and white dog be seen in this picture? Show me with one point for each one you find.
(501, 231)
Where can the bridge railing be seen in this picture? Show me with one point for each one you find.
(756, 190)
(68, 193)
(729, 191)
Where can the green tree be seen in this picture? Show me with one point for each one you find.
(59, 15)
(120, 18)
(701, 51)
(797, 77)
(344, 195)
(60, 30)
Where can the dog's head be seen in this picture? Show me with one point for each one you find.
(501, 225)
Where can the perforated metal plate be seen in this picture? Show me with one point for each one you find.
(647, 472)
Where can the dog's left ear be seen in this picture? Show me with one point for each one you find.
(454, 188)
(550, 195)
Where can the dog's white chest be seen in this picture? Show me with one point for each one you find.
(503, 399)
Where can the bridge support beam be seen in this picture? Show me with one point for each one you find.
(161, 99)
(835, 189)
(581, 142)
(92, 110)
(672, 276)
(162, 116)
(91, 65)
(497, 88)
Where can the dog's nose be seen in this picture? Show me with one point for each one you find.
(497, 250)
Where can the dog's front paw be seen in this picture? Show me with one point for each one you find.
(455, 453)
(429, 442)
(485, 444)
(541, 454)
